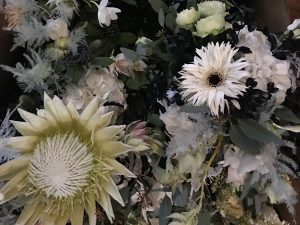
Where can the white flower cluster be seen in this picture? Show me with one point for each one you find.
(96, 82)
(263, 66)
(208, 19)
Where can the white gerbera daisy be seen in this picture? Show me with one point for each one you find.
(66, 164)
(212, 76)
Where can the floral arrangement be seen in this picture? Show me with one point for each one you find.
(162, 112)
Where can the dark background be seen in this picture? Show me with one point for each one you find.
(276, 14)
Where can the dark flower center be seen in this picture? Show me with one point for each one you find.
(214, 79)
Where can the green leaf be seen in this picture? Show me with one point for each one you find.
(130, 2)
(194, 109)
(75, 72)
(127, 38)
(191, 3)
(242, 141)
(103, 61)
(258, 132)
(157, 5)
(130, 54)
(161, 17)
(155, 120)
(138, 80)
(170, 21)
(165, 211)
(286, 114)
(181, 195)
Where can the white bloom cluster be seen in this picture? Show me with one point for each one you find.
(96, 82)
(208, 19)
(241, 164)
(57, 28)
(263, 66)
(189, 132)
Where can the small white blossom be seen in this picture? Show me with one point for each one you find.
(106, 14)
(57, 28)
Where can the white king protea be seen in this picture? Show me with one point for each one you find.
(66, 165)
(212, 76)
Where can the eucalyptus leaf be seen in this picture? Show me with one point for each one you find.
(194, 109)
(130, 54)
(165, 211)
(286, 114)
(157, 5)
(170, 21)
(241, 140)
(204, 218)
(161, 17)
(155, 120)
(180, 196)
(258, 132)
(103, 61)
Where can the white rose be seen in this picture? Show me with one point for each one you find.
(187, 17)
(214, 24)
(210, 8)
(57, 29)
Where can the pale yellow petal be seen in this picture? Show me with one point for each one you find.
(91, 123)
(62, 114)
(26, 129)
(47, 116)
(90, 110)
(108, 133)
(23, 144)
(49, 105)
(90, 208)
(12, 167)
(62, 220)
(105, 119)
(11, 189)
(48, 220)
(27, 212)
(72, 110)
(104, 201)
(77, 215)
(113, 148)
(119, 169)
(34, 120)
(111, 188)
(35, 217)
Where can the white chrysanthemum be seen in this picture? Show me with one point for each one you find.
(209, 8)
(97, 82)
(187, 17)
(67, 164)
(212, 76)
(214, 24)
